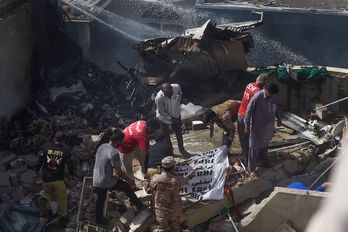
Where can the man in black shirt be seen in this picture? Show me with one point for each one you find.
(156, 153)
(53, 161)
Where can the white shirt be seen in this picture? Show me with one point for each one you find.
(168, 107)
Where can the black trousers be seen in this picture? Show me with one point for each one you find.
(177, 128)
(101, 196)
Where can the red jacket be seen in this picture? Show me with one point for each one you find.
(135, 135)
(249, 92)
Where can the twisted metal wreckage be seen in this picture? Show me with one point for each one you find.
(210, 53)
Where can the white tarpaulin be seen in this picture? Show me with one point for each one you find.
(210, 172)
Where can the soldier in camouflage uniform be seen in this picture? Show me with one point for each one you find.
(165, 188)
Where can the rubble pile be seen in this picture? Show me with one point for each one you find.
(84, 103)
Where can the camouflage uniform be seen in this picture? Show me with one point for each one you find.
(165, 188)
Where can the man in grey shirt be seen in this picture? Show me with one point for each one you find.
(259, 123)
(108, 175)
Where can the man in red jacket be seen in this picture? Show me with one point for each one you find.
(249, 92)
(136, 144)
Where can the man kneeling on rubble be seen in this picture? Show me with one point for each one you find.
(223, 115)
(166, 188)
(108, 175)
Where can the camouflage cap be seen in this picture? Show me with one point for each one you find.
(168, 162)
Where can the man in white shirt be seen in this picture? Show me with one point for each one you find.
(168, 101)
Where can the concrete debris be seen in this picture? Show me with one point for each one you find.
(72, 90)
(7, 189)
(31, 160)
(279, 207)
(27, 177)
(27, 200)
(7, 158)
(142, 221)
(4, 179)
(18, 194)
(220, 224)
(14, 179)
(198, 125)
(127, 217)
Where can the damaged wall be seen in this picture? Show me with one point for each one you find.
(16, 45)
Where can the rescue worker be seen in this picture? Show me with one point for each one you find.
(136, 144)
(108, 175)
(53, 161)
(165, 188)
(249, 92)
(168, 102)
(259, 123)
(223, 115)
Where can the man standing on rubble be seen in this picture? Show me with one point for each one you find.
(259, 123)
(223, 115)
(168, 102)
(53, 161)
(249, 92)
(136, 144)
(108, 175)
(165, 188)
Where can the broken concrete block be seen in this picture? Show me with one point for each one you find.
(8, 158)
(203, 211)
(14, 179)
(220, 224)
(5, 197)
(4, 179)
(31, 160)
(287, 226)
(251, 189)
(27, 199)
(127, 217)
(280, 175)
(119, 227)
(20, 169)
(198, 125)
(27, 177)
(2, 168)
(7, 189)
(268, 174)
(292, 166)
(142, 221)
(311, 166)
(143, 196)
(246, 207)
(18, 194)
(16, 162)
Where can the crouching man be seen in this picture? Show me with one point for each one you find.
(224, 115)
(165, 188)
(108, 175)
